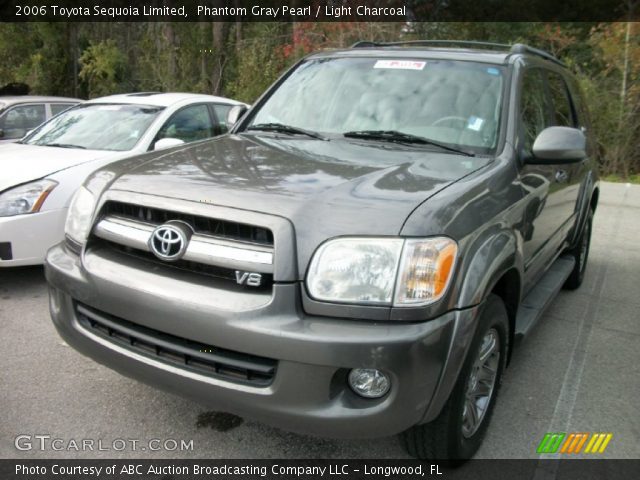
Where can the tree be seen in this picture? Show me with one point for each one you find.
(614, 88)
(103, 69)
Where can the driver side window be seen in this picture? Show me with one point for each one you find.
(534, 109)
(189, 124)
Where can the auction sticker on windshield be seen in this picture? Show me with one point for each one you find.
(400, 64)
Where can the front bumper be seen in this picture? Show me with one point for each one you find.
(30, 236)
(309, 392)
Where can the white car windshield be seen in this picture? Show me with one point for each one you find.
(452, 102)
(96, 126)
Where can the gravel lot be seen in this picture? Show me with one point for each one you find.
(579, 371)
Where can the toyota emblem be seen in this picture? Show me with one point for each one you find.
(169, 241)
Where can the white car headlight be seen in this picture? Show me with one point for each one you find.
(79, 215)
(382, 271)
(26, 198)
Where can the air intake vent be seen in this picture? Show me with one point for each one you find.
(180, 352)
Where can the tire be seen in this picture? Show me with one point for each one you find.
(449, 437)
(581, 254)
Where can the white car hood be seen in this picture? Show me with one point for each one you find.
(21, 163)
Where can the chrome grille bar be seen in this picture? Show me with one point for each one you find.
(203, 249)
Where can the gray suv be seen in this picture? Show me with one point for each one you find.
(357, 257)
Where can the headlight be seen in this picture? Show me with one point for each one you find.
(79, 216)
(382, 271)
(26, 198)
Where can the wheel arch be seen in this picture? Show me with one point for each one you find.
(496, 266)
(493, 264)
(508, 287)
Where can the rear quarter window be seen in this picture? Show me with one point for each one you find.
(56, 108)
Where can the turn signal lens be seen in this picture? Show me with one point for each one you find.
(426, 270)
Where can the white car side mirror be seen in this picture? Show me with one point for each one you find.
(167, 143)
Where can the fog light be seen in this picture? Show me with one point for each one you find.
(368, 382)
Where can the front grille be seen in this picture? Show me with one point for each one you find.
(193, 356)
(216, 248)
(201, 225)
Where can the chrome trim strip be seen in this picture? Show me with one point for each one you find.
(125, 232)
(201, 249)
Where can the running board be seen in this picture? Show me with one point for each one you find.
(541, 296)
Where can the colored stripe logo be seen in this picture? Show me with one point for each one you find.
(574, 442)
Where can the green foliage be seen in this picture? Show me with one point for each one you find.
(614, 177)
(259, 61)
(35, 53)
(103, 68)
(614, 99)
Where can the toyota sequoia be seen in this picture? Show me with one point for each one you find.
(359, 256)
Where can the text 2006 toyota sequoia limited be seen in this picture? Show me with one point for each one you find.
(357, 258)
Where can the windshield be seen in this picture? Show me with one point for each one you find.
(96, 127)
(452, 102)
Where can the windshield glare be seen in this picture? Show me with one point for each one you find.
(452, 102)
(97, 127)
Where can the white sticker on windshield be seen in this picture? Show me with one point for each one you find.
(400, 64)
(475, 123)
(109, 107)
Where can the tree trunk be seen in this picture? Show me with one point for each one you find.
(73, 47)
(204, 77)
(238, 25)
(170, 42)
(218, 30)
(625, 73)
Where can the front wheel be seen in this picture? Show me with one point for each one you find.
(456, 434)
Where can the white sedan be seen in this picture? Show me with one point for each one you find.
(39, 174)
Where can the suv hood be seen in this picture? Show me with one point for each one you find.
(20, 163)
(330, 188)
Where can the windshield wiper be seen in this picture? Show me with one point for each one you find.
(279, 127)
(63, 145)
(399, 137)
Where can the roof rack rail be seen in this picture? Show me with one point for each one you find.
(515, 48)
(522, 48)
(460, 43)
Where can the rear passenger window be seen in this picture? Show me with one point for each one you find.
(563, 116)
(534, 111)
(189, 124)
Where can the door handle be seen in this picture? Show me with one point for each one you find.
(561, 176)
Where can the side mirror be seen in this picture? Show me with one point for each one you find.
(559, 145)
(167, 143)
(235, 114)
